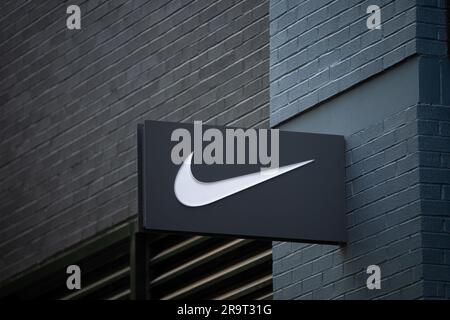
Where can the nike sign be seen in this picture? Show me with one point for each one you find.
(239, 187)
(193, 193)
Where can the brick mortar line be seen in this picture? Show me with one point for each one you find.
(73, 127)
(129, 81)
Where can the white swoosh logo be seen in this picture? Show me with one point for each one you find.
(193, 193)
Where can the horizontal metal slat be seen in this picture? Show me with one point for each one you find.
(41, 272)
(174, 250)
(121, 295)
(268, 296)
(247, 288)
(204, 258)
(225, 273)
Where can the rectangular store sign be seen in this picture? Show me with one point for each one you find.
(251, 183)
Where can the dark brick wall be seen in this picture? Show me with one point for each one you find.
(434, 145)
(70, 102)
(383, 223)
(320, 48)
(398, 169)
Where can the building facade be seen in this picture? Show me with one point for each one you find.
(387, 91)
(71, 100)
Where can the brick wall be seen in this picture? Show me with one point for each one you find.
(434, 145)
(70, 102)
(383, 221)
(398, 207)
(320, 48)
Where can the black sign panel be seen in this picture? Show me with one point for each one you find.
(305, 204)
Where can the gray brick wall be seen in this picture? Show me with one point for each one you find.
(320, 48)
(434, 144)
(70, 102)
(383, 223)
(397, 167)
(398, 205)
